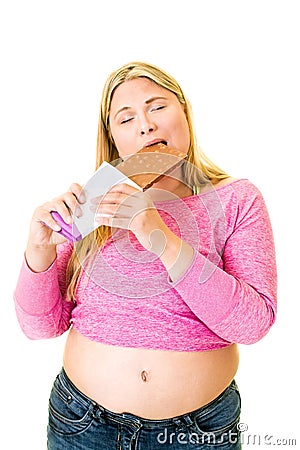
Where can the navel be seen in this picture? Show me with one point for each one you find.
(144, 376)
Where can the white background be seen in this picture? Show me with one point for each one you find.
(238, 62)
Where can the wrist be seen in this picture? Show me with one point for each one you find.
(177, 255)
(39, 258)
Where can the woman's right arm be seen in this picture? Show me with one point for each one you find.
(41, 307)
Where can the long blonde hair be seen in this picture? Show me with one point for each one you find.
(107, 151)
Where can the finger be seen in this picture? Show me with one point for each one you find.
(44, 216)
(109, 200)
(114, 212)
(110, 197)
(124, 188)
(113, 209)
(96, 200)
(60, 206)
(116, 197)
(78, 191)
(71, 202)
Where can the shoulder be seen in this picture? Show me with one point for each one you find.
(235, 183)
(225, 182)
(242, 187)
(234, 193)
(246, 199)
(241, 195)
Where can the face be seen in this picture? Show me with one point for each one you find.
(143, 113)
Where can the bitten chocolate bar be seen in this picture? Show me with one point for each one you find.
(151, 163)
(140, 170)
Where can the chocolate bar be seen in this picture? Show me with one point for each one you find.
(151, 163)
(142, 169)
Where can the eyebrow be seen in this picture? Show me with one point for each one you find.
(157, 97)
(147, 102)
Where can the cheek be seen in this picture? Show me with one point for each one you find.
(123, 142)
(119, 138)
(182, 134)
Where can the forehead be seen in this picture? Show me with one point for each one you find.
(137, 90)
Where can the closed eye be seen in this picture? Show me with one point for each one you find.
(126, 120)
(157, 108)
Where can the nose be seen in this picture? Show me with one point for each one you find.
(146, 125)
(146, 130)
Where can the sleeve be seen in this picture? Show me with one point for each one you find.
(41, 307)
(237, 302)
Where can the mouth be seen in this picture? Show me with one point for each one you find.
(156, 141)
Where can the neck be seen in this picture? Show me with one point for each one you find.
(169, 188)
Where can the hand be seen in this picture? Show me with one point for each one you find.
(43, 226)
(126, 207)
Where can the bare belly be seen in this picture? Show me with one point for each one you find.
(153, 384)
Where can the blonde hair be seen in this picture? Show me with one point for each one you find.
(198, 171)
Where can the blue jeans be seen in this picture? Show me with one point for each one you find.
(77, 422)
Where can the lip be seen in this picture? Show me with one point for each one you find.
(155, 141)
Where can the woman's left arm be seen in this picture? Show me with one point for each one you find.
(237, 302)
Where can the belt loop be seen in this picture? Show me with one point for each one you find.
(97, 412)
(184, 422)
(179, 423)
(188, 420)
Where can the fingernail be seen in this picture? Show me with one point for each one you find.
(82, 197)
(78, 212)
(96, 200)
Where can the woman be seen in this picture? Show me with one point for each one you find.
(159, 295)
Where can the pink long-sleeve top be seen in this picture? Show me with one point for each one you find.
(125, 297)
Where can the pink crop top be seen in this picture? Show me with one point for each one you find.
(226, 295)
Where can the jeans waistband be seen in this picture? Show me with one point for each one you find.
(132, 419)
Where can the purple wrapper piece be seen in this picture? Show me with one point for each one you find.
(69, 231)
